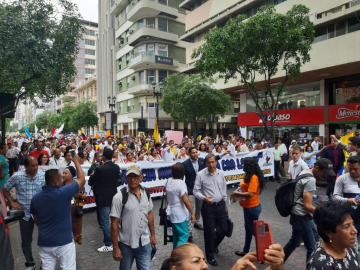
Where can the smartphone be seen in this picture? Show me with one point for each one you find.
(153, 251)
(263, 238)
(72, 153)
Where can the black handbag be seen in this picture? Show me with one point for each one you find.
(230, 225)
(79, 208)
(285, 157)
(162, 209)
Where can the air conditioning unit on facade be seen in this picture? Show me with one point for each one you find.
(131, 31)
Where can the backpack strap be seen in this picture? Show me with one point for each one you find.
(125, 197)
(298, 178)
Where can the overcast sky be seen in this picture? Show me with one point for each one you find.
(88, 9)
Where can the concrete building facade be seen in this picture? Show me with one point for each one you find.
(330, 82)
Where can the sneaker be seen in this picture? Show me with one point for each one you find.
(30, 267)
(105, 249)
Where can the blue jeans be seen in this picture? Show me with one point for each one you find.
(142, 256)
(250, 214)
(104, 213)
(301, 230)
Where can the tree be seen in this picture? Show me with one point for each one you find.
(42, 120)
(192, 99)
(85, 115)
(259, 47)
(66, 114)
(37, 48)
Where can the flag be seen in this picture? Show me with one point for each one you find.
(108, 134)
(59, 130)
(97, 136)
(36, 130)
(53, 131)
(83, 134)
(156, 132)
(345, 139)
(27, 132)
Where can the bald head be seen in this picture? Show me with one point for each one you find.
(31, 165)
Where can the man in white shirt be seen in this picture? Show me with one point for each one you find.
(296, 165)
(316, 144)
(57, 160)
(245, 147)
(47, 148)
(90, 151)
(167, 154)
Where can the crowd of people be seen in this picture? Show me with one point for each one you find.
(126, 217)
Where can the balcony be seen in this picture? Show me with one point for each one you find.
(141, 89)
(118, 6)
(151, 8)
(137, 114)
(144, 33)
(156, 61)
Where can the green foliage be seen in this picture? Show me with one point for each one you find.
(42, 120)
(31, 127)
(38, 45)
(21, 130)
(66, 114)
(192, 99)
(85, 115)
(255, 50)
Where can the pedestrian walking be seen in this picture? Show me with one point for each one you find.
(104, 182)
(12, 155)
(179, 207)
(301, 213)
(210, 187)
(251, 186)
(27, 183)
(132, 223)
(51, 209)
(192, 166)
(4, 166)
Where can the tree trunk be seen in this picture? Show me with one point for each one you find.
(196, 129)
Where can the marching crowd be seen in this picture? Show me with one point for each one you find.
(53, 200)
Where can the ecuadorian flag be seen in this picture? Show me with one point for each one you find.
(83, 134)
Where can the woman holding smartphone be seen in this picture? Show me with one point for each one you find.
(251, 186)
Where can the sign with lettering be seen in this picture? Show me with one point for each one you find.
(344, 113)
(300, 116)
(164, 60)
(155, 174)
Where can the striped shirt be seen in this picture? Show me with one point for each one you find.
(25, 188)
(12, 152)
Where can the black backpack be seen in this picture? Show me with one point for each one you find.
(284, 197)
(125, 197)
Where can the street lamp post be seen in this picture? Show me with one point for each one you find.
(157, 94)
(112, 106)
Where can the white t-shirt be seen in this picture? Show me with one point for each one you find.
(168, 155)
(315, 145)
(296, 168)
(176, 210)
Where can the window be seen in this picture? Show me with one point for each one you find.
(341, 28)
(162, 75)
(353, 25)
(297, 96)
(91, 52)
(331, 31)
(140, 24)
(90, 42)
(162, 24)
(320, 34)
(150, 23)
(151, 76)
(90, 32)
(150, 49)
(89, 61)
(151, 105)
(89, 71)
(141, 77)
(163, 50)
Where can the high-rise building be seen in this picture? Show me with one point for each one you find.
(85, 62)
(325, 100)
(147, 50)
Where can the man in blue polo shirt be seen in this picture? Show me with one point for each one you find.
(51, 210)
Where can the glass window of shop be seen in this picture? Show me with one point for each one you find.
(150, 76)
(347, 92)
(299, 133)
(150, 49)
(295, 96)
(162, 50)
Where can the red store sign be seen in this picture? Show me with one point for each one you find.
(301, 116)
(344, 113)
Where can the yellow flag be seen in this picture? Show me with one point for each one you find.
(345, 139)
(156, 132)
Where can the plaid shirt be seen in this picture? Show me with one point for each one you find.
(25, 188)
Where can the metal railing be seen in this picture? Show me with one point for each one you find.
(152, 27)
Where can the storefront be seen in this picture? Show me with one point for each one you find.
(295, 124)
(344, 118)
